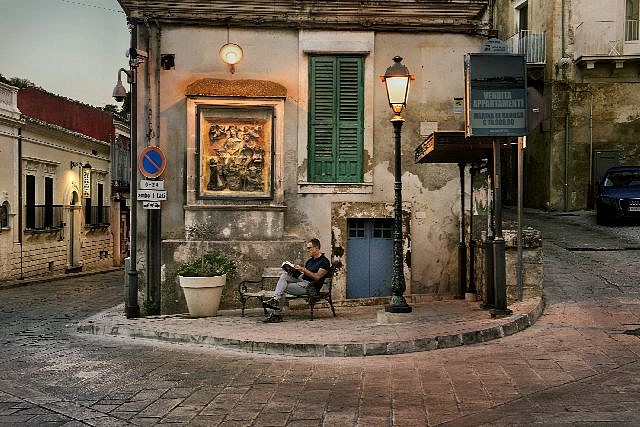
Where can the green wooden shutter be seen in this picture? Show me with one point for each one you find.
(335, 119)
(350, 123)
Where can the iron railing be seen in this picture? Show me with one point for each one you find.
(97, 216)
(631, 30)
(43, 217)
(531, 45)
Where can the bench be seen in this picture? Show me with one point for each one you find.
(264, 288)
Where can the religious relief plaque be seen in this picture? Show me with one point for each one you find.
(235, 147)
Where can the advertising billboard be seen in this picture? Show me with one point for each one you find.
(496, 95)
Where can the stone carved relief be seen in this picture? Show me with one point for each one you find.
(235, 157)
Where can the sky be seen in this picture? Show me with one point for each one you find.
(72, 48)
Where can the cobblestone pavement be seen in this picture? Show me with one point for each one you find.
(578, 365)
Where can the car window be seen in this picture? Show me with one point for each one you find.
(622, 179)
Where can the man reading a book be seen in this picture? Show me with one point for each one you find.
(314, 270)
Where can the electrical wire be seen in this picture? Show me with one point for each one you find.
(91, 5)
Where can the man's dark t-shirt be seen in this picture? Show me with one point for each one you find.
(315, 264)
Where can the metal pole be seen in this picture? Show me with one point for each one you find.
(520, 286)
(20, 204)
(398, 303)
(566, 161)
(591, 183)
(131, 304)
(489, 301)
(462, 245)
(472, 243)
(498, 246)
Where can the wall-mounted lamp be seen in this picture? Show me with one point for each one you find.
(77, 164)
(119, 92)
(231, 54)
(168, 61)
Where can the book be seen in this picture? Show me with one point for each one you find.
(289, 268)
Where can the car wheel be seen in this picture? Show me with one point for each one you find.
(601, 218)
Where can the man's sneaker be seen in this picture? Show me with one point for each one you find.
(273, 318)
(272, 303)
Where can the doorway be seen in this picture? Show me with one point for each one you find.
(73, 245)
(370, 257)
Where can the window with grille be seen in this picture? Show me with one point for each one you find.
(48, 202)
(30, 201)
(336, 124)
(4, 215)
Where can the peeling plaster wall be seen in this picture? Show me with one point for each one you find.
(430, 194)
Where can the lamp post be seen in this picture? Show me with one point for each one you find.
(396, 80)
(136, 57)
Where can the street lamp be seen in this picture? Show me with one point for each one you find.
(136, 57)
(396, 80)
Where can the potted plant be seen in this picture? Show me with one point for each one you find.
(202, 281)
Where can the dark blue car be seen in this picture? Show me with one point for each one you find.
(618, 194)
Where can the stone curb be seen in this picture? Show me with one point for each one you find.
(512, 325)
(41, 279)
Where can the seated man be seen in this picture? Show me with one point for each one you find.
(316, 267)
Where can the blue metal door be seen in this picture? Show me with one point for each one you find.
(369, 257)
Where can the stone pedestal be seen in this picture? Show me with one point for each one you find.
(386, 318)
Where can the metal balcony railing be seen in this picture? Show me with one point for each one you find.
(97, 216)
(631, 30)
(120, 165)
(43, 217)
(531, 45)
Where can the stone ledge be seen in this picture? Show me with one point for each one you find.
(507, 326)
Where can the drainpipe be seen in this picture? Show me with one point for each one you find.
(522, 144)
(590, 184)
(20, 201)
(563, 32)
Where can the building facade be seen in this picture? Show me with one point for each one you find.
(584, 62)
(55, 186)
(294, 141)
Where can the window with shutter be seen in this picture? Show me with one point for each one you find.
(336, 125)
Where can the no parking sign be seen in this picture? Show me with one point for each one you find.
(152, 162)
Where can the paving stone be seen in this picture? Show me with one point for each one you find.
(573, 366)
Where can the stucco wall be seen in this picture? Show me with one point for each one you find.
(431, 192)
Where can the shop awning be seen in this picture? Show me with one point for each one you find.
(451, 146)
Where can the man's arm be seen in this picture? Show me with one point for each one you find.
(315, 276)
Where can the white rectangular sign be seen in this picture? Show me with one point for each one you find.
(146, 184)
(86, 183)
(152, 195)
(151, 205)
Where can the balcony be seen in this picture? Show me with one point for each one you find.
(97, 216)
(531, 45)
(43, 217)
(610, 41)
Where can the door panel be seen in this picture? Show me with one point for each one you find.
(370, 260)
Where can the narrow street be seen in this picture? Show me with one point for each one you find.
(579, 364)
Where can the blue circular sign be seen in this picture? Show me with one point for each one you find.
(152, 162)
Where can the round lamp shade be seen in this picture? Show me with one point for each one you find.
(231, 53)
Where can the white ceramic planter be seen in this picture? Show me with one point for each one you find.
(203, 294)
